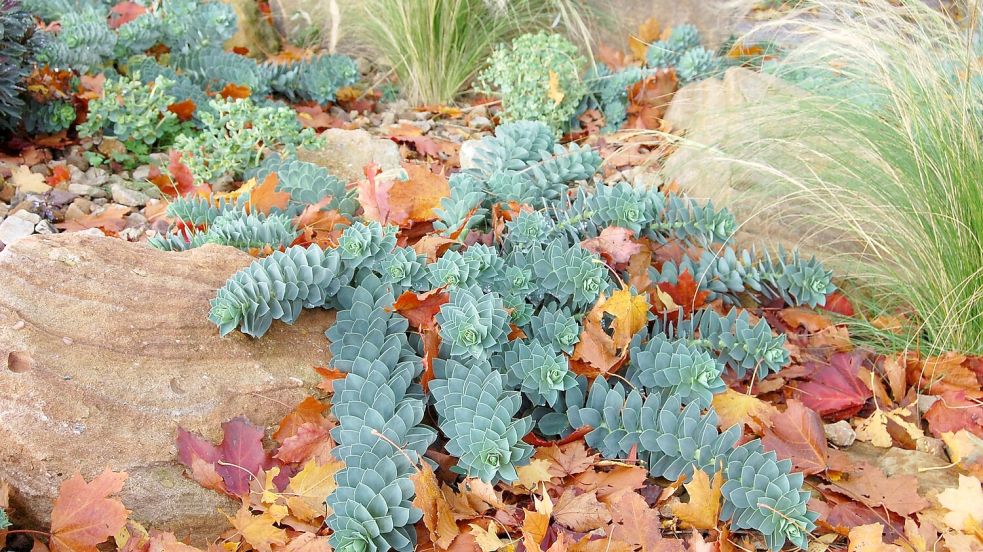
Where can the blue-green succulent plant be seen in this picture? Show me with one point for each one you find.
(473, 323)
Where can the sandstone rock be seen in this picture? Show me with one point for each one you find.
(105, 349)
(347, 152)
(86, 190)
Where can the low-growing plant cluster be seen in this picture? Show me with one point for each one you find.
(540, 287)
(542, 77)
(167, 73)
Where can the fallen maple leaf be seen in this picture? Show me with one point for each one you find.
(684, 293)
(952, 412)
(649, 99)
(638, 525)
(307, 489)
(124, 12)
(233, 91)
(615, 245)
(566, 460)
(59, 174)
(22, 177)
(874, 429)
(421, 308)
(308, 410)
(869, 485)
(580, 511)
(740, 408)
(185, 109)
(109, 219)
(835, 391)
(83, 514)
(312, 440)
(258, 530)
(966, 450)
(703, 509)
(798, 434)
(532, 474)
(437, 515)
(965, 506)
(265, 197)
(869, 538)
(404, 198)
(648, 32)
(307, 542)
(487, 538)
(237, 459)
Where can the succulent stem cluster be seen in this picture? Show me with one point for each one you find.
(514, 315)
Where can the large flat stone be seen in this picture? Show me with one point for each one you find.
(105, 349)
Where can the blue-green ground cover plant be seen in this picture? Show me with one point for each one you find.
(517, 318)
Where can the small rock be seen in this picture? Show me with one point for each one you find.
(930, 445)
(4, 209)
(840, 433)
(466, 154)
(45, 227)
(131, 234)
(60, 198)
(96, 176)
(347, 152)
(86, 190)
(76, 159)
(75, 174)
(388, 118)
(136, 220)
(74, 212)
(926, 401)
(141, 173)
(128, 197)
(479, 122)
(41, 169)
(160, 159)
(29, 216)
(109, 146)
(14, 228)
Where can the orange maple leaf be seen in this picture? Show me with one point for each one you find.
(235, 92)
(84, 515)
(264, 198)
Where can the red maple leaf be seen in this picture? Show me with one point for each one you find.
(835, 391)
(237, 459)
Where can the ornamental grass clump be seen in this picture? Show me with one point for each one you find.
(500, 358)
(874, 157)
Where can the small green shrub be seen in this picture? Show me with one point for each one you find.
(436, 47)
(528, 75)
(134, 113)
(237, 135)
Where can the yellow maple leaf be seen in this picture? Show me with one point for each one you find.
(488, 539)
(965, 449)
(703, 509)
(739, 408)
(258, 530)
(630, 313)
(307, 489)
(963, 505)
(648, 32)
(869, 538)
(555, 93)
(874, 428)
(532, 474)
